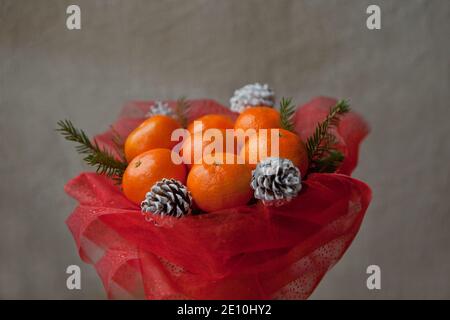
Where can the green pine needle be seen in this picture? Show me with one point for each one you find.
(287, 110)
(330, 163)
(321, 146)
(181, 110)
(104, 162)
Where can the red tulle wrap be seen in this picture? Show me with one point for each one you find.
(251, 252)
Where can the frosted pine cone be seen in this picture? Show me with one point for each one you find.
(276, 181)
(160, 108)
(252, 95)
(167, 197)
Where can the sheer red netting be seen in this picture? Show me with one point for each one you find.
(251, 252)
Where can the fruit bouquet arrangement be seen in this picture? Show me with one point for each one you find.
(195, 200)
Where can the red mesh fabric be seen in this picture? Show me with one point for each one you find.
(351, 131)
(251, 252)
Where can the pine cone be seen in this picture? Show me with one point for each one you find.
(167, 197)
(276, 181)
(160, 108)
(252, 95)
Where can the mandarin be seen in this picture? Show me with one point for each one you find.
(258, 118)
(148, 168)
(290, 146)
(155, 132)
(211, 121)
(219, 186)
(210, 142)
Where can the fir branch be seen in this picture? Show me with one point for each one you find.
(104, 162)
(330, 163)
(321, 146)
(181, 111)
(287, 110)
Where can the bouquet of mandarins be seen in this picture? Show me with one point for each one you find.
(194, 200)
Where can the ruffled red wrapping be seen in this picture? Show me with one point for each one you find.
(251, 252)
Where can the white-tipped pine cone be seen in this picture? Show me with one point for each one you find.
(160, 108)
(252, 95)
(167, 197)
(276, 181)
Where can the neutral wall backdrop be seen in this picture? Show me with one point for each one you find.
(397, 77)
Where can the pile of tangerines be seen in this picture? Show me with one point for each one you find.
(214, 186)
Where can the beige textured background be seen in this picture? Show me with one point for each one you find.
(398, 78)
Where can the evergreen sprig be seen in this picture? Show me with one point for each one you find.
(181, 111)
(287, 110)
(104, 162)
(321, 146)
